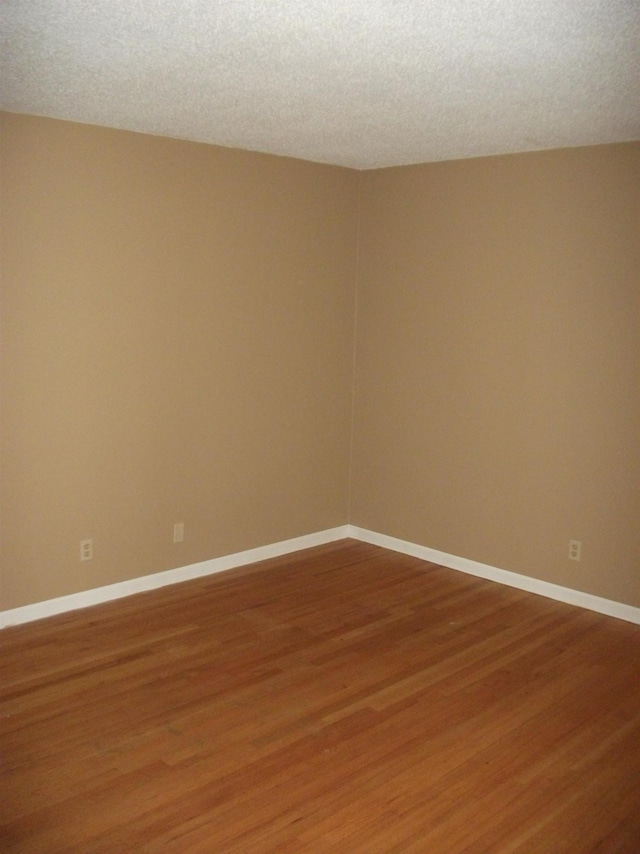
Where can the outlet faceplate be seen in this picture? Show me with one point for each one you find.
(178, 532)
(86, 550)
(575, 549)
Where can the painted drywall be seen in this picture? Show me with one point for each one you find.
(177, 346)
(497, 390)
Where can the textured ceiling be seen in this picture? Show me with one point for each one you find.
(362, 83)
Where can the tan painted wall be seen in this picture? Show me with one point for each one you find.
(177, 346)
(177, 340)
(498, 363)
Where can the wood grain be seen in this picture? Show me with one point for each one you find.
(341, 699)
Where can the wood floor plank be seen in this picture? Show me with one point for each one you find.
(342, 699)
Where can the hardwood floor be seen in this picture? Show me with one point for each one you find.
(342, 699)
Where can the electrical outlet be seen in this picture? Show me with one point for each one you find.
(575, 549)
(178, 532)
(86, 550)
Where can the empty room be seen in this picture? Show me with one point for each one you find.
(320, 427)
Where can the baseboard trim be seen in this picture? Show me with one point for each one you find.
(502, 576)
(98, 595)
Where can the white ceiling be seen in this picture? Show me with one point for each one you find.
(361, 83)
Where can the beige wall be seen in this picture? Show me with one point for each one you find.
(498, 363)
(177, 325)
(177, 346)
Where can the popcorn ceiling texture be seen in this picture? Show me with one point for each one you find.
(360, 83)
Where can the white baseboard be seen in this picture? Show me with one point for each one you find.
(49, 608)
(502, 576)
